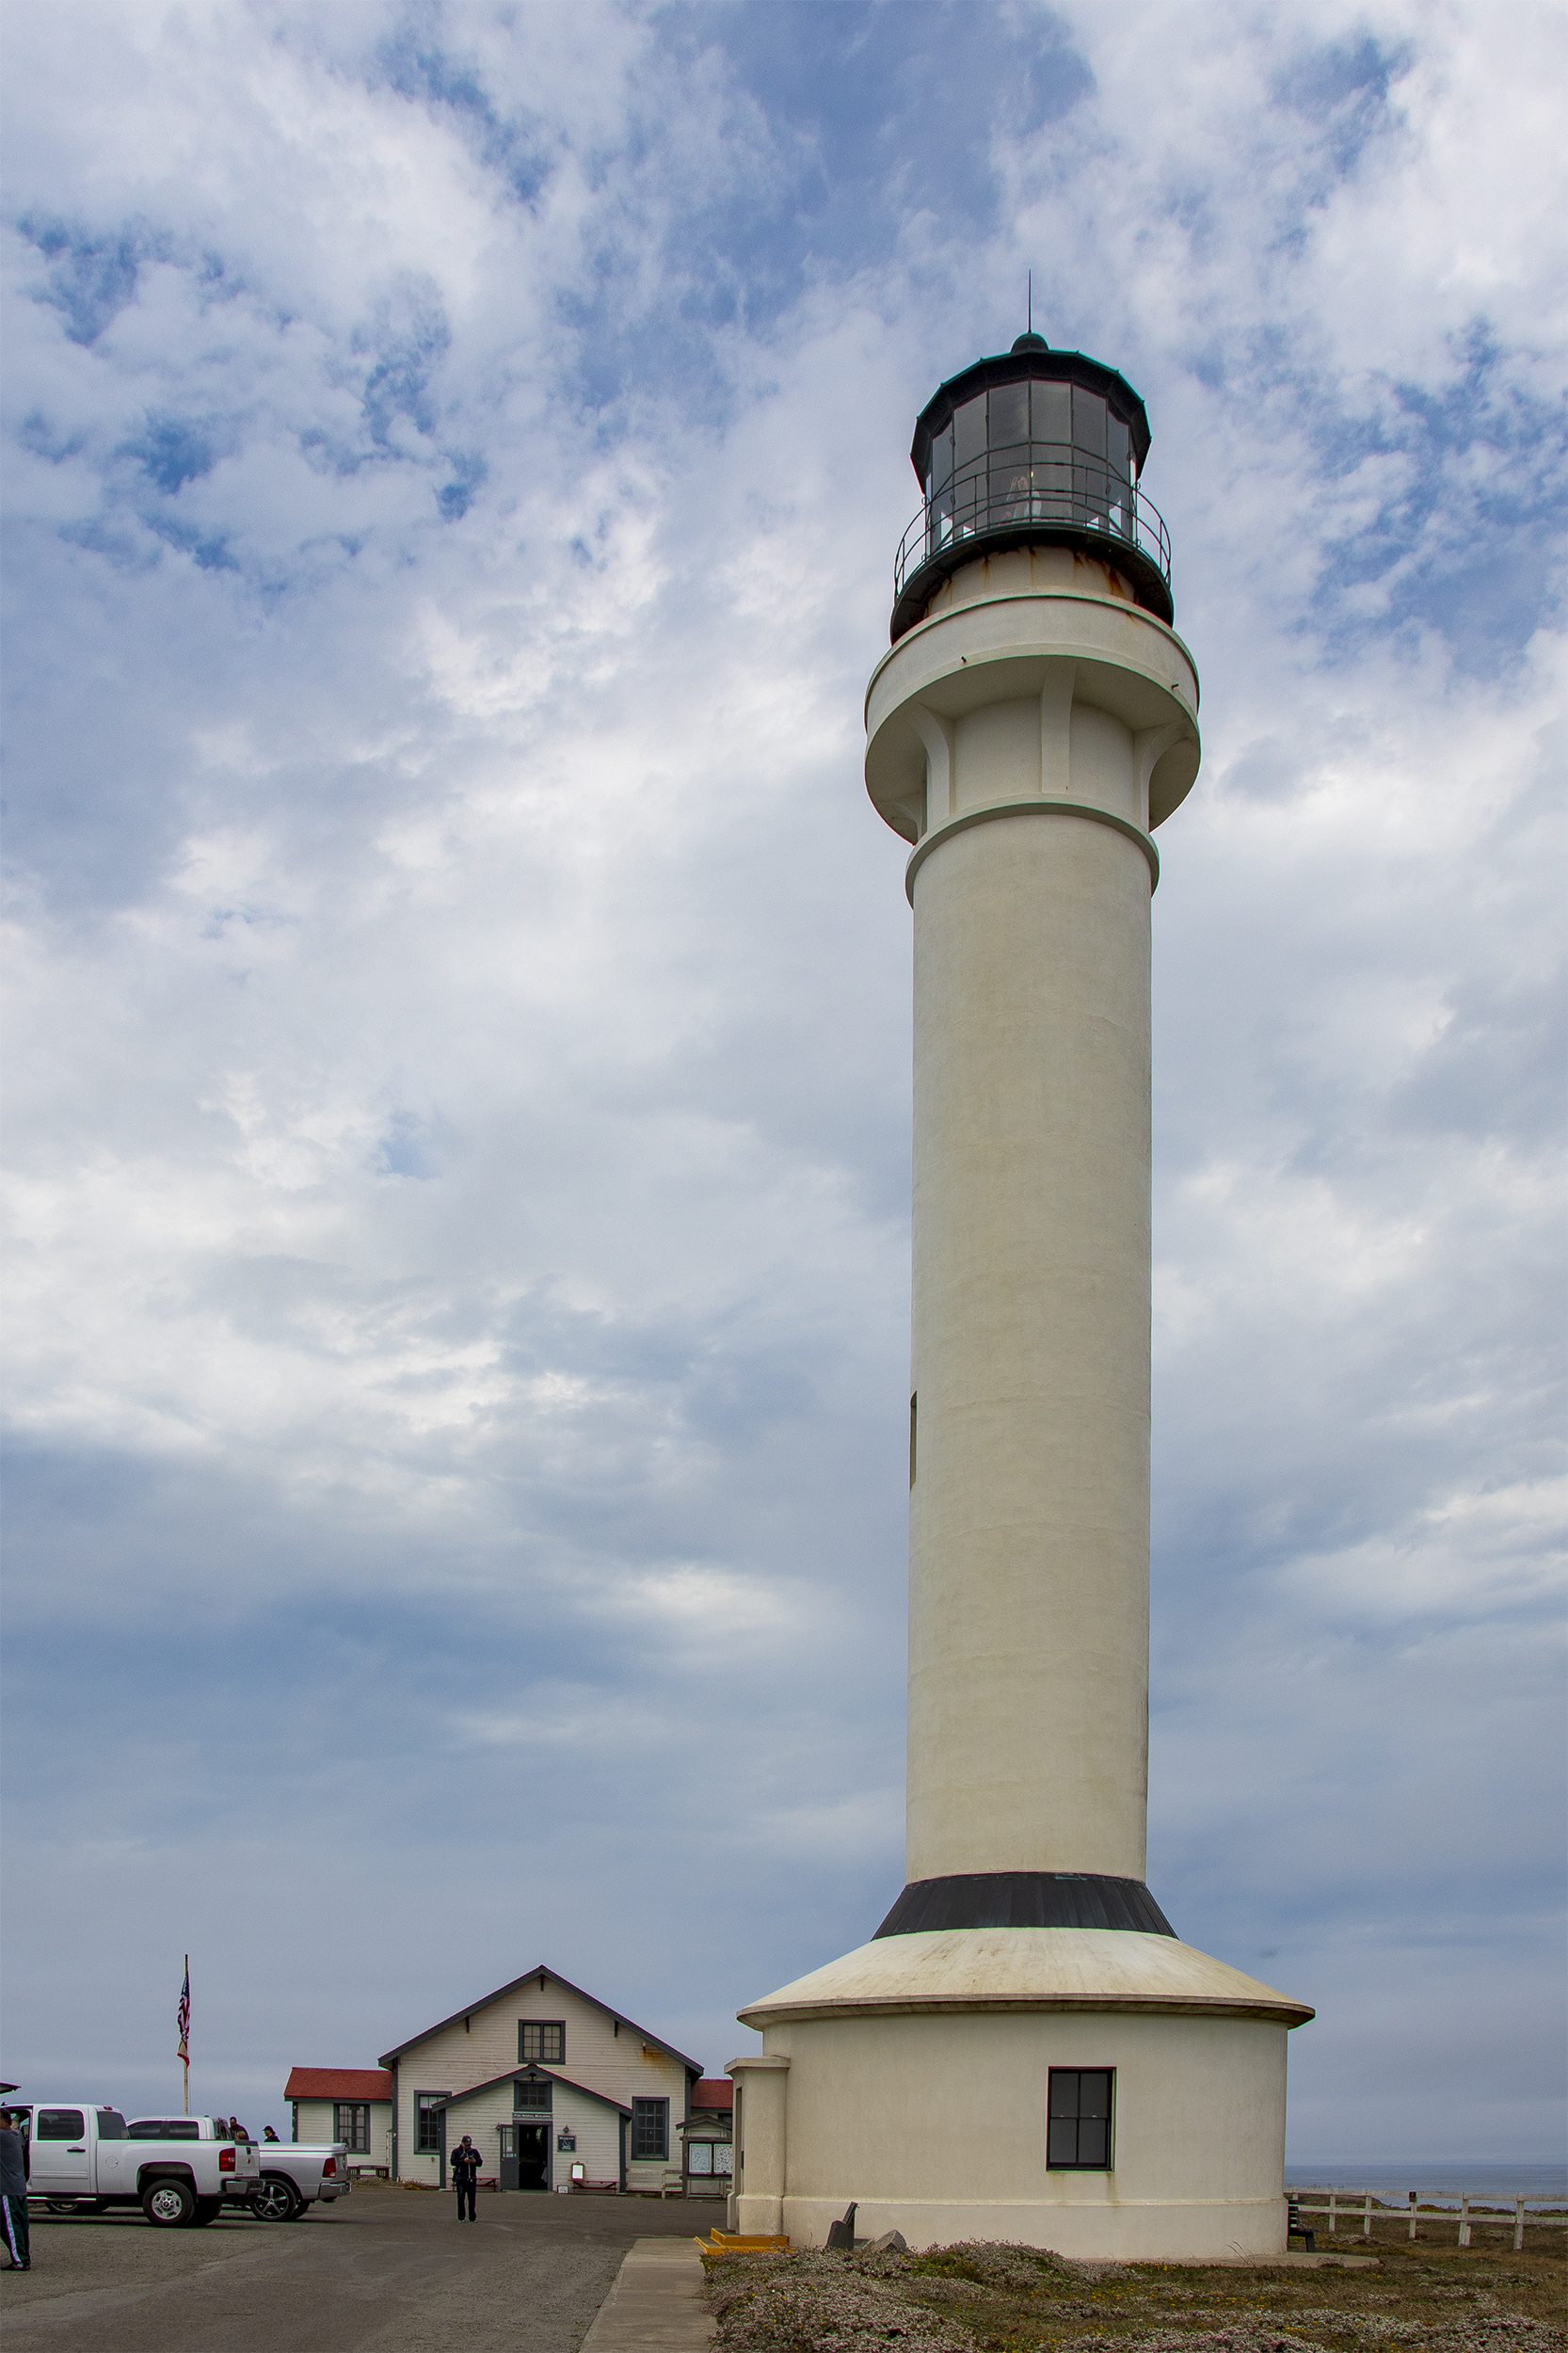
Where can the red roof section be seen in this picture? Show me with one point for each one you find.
(338, 2083)
(714, 2092)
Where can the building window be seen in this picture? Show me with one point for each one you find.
(1079, 2130)
(351, 2124)
(542, 2038)
(429, 2107)
(651, 2128)
(533, 2092)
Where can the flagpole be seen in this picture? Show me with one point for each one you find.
(184, 2032)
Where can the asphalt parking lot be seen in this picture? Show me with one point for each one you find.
(384, 2271)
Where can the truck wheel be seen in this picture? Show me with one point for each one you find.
(207, 2210)
(168, 2203)
(276, 2201)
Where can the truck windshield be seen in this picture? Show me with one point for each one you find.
(164, 2128)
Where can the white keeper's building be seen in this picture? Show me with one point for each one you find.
(554, 2088)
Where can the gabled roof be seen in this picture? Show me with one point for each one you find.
(514, 2075)
(554, 1978)
(338, 2083)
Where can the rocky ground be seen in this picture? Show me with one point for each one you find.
(1011, 2299)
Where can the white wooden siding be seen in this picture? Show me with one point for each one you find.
(621, 2065)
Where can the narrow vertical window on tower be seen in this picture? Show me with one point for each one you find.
(914, 1425)
(1078, 2129)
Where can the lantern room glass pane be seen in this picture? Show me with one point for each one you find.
(1050, 412)
(1088, 421)
(969, 433)
(1118, 449)
(1008, 415)
(1009, 428)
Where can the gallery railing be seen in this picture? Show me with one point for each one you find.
(1038, 485)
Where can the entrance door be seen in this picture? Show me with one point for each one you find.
(508, 2156)
(59, 2152)
(532, 2155)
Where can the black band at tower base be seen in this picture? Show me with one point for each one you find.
(1026, 1899)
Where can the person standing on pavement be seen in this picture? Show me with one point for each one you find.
(13, 2192)
(465, 2173)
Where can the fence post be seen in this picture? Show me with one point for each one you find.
(1465, 2217)
(1413, 2217)
(1518, 2224)
(1331, 2223)
(1367, 2217)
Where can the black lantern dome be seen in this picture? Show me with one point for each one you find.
(1034, 448)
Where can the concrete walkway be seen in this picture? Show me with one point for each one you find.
(654, 2306)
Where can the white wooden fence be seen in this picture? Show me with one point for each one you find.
(1351, 2206)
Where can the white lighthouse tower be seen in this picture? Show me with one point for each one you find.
(1025, 2050)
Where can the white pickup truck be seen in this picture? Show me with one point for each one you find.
(176, 2169)
(296, 2173)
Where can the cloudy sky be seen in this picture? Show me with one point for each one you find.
(459, 1029)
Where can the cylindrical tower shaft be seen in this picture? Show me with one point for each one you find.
(1029, 1506)
(1026, 733)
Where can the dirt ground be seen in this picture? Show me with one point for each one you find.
(1433, 2296)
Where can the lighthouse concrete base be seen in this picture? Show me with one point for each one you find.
(913, 2077)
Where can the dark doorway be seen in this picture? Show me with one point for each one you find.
(532, 2142)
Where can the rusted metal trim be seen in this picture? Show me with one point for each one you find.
(1039, 808)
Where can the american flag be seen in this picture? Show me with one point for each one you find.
(182, 2015)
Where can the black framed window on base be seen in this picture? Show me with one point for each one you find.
(351, 2124)
(651, 2128)
(1077, 2128)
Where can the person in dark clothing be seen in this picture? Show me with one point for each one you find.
(465, 2173)
(14, 2170)
(268, 2134)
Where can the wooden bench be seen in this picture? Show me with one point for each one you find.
(1296, 2228)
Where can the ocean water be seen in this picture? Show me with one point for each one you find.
(1437, 2181)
